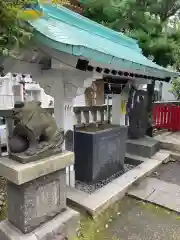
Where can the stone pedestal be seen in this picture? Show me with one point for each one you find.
(145, 147)
(36, 196)
(37, 201)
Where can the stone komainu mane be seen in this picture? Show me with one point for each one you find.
(35, 135)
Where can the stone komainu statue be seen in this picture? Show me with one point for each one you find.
(35, 134)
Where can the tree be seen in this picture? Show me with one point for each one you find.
(175, 90)
(144, 20)
(14, 31)
(165, 8)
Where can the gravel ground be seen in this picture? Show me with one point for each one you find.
(3, 194)
(90, 188)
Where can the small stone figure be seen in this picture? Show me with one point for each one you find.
(35, 134)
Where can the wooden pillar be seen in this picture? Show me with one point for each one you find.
(88, 96)
(94, 95)
(98, 87)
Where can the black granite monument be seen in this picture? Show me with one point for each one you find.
(137, 113)
(99, 152)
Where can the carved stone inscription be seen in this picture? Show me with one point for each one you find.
(100, 154)
(36, 202)
(51, 199)
(110, 155)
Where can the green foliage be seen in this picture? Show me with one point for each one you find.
(176, 88)
(4, 212)
(13, 32)
(145, 21)
(98, 228)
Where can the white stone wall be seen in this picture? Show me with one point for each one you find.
(6, 92)
(166, 95)
(79, 100)
(11, 91)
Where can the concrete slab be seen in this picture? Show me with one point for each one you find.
(169, 141)
(101, 199)
(168, 172)
(65, 223)
(9, 232)
(19, 173)
(173, 137)
(143, 221)
(162, 155)
(159, 192)
(175, 156)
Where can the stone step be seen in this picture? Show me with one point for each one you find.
(158, 192)
(161, 155)
(134, 159)
(169, 141)
(145, 147)
(175, 156)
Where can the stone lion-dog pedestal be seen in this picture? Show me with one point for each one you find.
(37, 199)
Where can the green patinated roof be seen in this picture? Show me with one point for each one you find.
(67, 31)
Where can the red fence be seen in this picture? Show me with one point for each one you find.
(166, 116)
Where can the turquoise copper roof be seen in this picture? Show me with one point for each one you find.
(67, 31)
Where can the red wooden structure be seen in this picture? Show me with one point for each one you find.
(166, 116)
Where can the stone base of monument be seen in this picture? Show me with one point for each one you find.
(37, 197)
(22, 158)
(144, 147)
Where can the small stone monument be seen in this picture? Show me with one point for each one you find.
(36, 173)
(137, 113)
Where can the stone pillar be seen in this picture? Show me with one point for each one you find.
(37, 199)
(63, 85)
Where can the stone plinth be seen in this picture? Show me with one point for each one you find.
(36, 191)
(37, 201)
(19, 173)
(144, 147)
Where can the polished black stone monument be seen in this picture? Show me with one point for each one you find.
(137, 114)
(99, 152)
